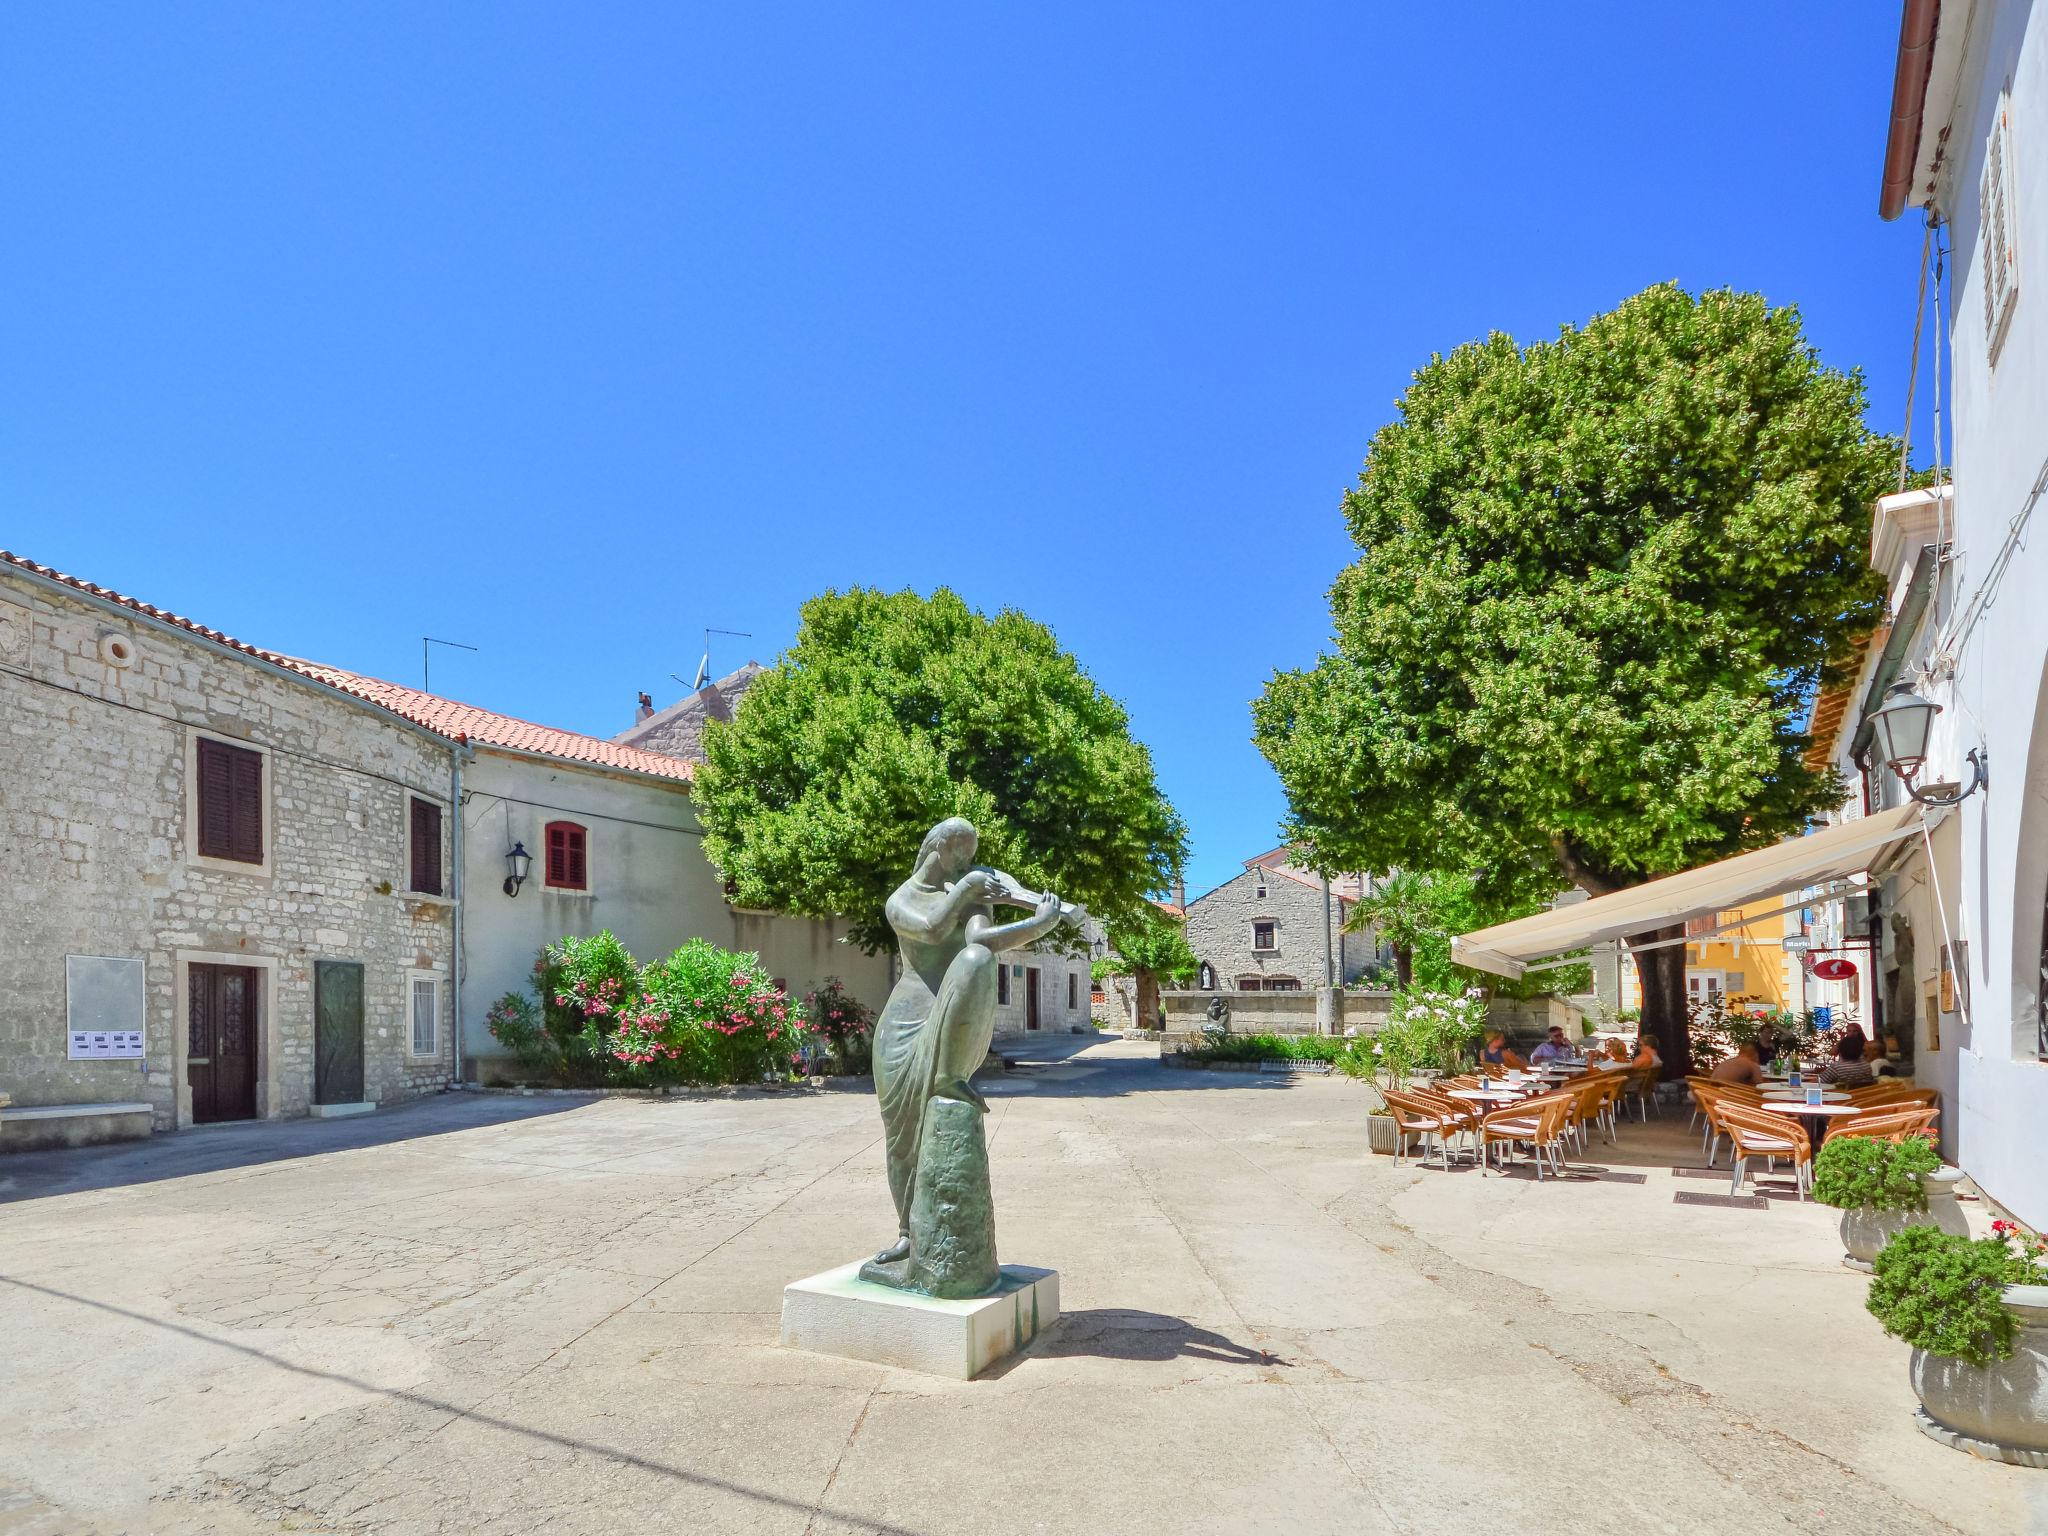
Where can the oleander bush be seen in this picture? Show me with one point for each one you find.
(1852, 1172)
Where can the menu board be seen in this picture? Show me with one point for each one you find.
(104, 1007)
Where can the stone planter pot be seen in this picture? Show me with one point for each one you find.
(1865, 1231)
(1379, 1134)
(1998, 1412)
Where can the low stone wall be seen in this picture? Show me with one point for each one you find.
(1272, 1013)
(1529, 1019)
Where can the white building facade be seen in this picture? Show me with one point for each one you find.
(1969, 144)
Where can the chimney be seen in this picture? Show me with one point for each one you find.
(646, 711)
(715, 707)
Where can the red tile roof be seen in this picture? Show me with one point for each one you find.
(488, 728)
(445, 717)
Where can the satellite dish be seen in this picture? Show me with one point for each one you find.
(1833, 969)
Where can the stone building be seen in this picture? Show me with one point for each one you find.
(227, 882)
(678, 730)
(1268, 930)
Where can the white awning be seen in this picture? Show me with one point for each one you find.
(1833, 853)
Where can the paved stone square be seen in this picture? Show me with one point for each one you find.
(495, 1314)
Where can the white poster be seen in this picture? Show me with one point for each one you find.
(103, 1002)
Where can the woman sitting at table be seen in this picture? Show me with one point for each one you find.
(1614, 1050)
(1498, 1053)
(1849, 1069)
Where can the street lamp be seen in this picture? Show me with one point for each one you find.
(517, 862)
(1902, 727)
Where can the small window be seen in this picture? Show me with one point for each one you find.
(1259, 890)
(1250, 983)
(1282, 984)
(1263, 936)
(1073, 991)
(1002, 983)
(426, 847)
(568, 868)
(426, 1015)
(230, 802)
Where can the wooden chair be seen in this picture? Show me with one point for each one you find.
(1463, 1114)
(1641, 1086)
(1759, 1133)
(1539, 1121)
(1493, 1069)
(1416, 1116)
(1712, 1098)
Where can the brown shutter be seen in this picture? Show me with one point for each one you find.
(216, 800)
(558, 855)
(579, 876)
(230, 803)
(426, 847)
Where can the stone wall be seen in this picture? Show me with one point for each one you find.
(1271, 1013)
(98, 855)
(1220, 932)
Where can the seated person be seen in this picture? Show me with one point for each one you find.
(1498, 1053)
(1615, 1050)
(1647, 1054)
(1768, 1045)
(1743, 1067)
(1849, 1069)
(1553, 1048)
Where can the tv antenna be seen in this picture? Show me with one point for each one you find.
(704, 666)
(426, 672)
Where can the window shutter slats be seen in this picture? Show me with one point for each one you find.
(426, 847)
(567, 863)
(230, 802)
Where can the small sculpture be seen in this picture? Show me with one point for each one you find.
(932, 1035)
(1218, 1013)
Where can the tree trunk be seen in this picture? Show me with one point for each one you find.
(1662, 975)
(1148, 1001)
(1404, 964)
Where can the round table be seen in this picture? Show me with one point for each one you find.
(1801, 1107)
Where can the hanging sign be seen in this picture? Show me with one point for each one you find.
(1834, 969)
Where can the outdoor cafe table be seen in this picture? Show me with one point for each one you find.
(1488, 1095)
(1801, 1107)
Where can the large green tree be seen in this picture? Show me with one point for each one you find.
(894, 711)
(1600, 578)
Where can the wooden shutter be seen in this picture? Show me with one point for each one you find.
(230, 802)
(566, 861)
(426, 847)
(1997, 218)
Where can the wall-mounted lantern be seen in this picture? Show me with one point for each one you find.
(517, 863)
(1902, 727)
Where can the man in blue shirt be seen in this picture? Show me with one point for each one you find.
(1553, 1049)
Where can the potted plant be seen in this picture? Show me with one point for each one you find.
(1882, 1187)
(1976, 1314)
(1395, 1050)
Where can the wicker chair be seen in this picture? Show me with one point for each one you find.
(1415, 1115)
(1539, 1121)
(1760, 1133)
(1889, 1124)
(1641, 1086)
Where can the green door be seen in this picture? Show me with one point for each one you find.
(337, 1032)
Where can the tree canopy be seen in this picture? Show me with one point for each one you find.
(1148, 944)
(1600, 579)
(892, 712)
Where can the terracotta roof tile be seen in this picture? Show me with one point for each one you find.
(445, 717)
(450, 717)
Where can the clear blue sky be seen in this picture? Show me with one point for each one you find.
(569, 330)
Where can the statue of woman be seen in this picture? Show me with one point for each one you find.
(935, 1030)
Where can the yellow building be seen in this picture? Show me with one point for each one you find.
(1744, 961)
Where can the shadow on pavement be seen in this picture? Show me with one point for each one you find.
(251, 1143)
(457, 1412)
(1120, 1333)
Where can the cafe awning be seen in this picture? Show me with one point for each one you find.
(1833, 853)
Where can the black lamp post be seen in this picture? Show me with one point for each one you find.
(1902, 727)
(518, 861)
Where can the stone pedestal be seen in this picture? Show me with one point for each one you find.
(838, 1313)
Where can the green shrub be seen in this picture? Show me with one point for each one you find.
(843, 1022)
(585, 985)
(1267, 1047)
(1859, 1172)
(1946, 1294)
(717, 1017)
(515, 1023)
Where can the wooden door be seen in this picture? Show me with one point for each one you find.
(221, 1041)
(1031, 997)
(337, 1032)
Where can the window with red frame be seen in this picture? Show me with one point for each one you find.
(568, 866)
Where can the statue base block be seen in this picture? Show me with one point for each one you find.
(838, 1313)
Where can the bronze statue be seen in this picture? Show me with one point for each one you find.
(931, 1037)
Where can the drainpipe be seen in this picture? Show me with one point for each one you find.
(463, 750)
